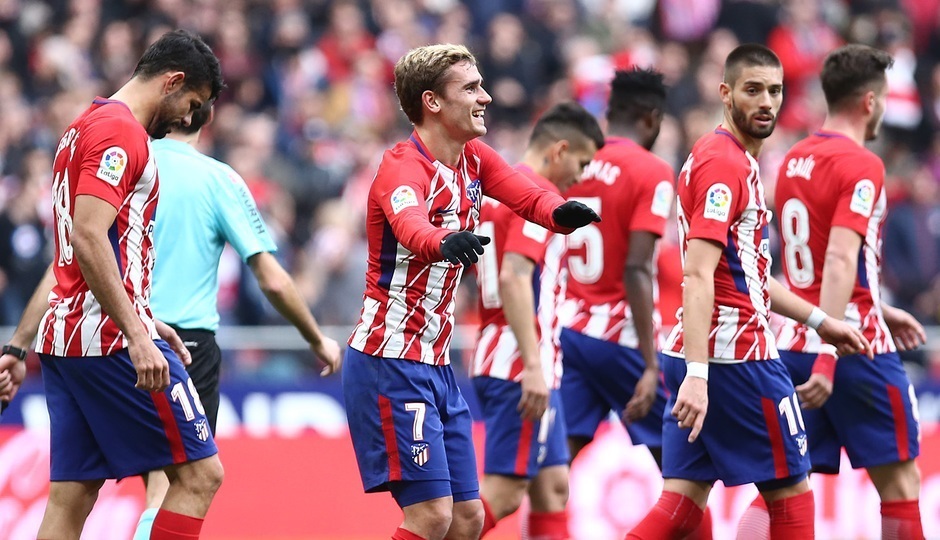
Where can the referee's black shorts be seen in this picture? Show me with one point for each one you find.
(205, 369)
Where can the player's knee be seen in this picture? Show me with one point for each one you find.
(433, 517)
(203, 477)
(468, 516)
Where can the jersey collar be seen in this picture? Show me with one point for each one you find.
(722, 131)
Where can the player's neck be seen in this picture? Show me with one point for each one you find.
(536, 161)
(624, 132)
(133, 94)
(751, 144)
(444, 148)
(850, 127)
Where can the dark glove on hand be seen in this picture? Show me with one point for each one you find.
(573, 214)
(463, 247)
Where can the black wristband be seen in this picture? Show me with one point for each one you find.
(15, 351)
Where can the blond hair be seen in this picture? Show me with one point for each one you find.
(423, 69)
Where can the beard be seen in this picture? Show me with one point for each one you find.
(160, 128)
(741, 121)
(873, 127)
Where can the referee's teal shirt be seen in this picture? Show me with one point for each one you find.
(203, 204)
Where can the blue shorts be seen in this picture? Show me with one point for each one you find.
(753, 429)
(103, 427)
(409, 423)
(517, 447)
(871, 412)
(600, 377)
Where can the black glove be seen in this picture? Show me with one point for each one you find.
(573, 214)
(463, 247)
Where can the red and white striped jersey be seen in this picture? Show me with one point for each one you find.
(414, 202)
(105, 153)
(632, 190)
(497, 352)
(721, 198)
(828, 180)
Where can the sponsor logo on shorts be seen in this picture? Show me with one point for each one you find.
(202, 429)
(801, 444)
(420, 453)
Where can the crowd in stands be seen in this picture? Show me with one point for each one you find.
(310, 108)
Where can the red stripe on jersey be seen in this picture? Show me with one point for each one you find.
(165, 412)
(525, 445)
(73, 328)
(776, 438)
(452, 278)
(416, 293)
(391, 445)
(900, 422)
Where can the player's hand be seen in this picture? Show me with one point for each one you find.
(11, 379)
(908, 333)
(463, 247)
(643, 397)
(329, 353)
(846, 338)
(153, 370)
(691, 405)
(534, 400)
(574, 214)
(173, 339)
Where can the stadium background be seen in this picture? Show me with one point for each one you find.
(308, 111)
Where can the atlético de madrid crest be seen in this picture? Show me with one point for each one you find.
(420, 453)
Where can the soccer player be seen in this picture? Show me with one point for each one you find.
(517, 363)
(120, 401)
(610, 345)
(409, 424)
(753, 432)
(832, 202)
(204, 204)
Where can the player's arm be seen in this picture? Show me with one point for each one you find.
(698, 302)
(278, 287)
(840, 271)
(518, 298)
(638, 282)
(93, 218)
(526, 198)
(24, 335)
(907, 331)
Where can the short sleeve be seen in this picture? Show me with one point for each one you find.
(653, 201)
(114, 155)
(526, 239)
(237, 216)
(859, 190)
(716, 200)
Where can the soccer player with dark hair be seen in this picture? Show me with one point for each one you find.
(832, 202)
(120, 401)
(410, 425)
(738, 416)
(517, 362)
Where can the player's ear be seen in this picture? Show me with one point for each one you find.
(558, 149)
(173, 81)
(725, 92)
(868, 101)
(430, 100)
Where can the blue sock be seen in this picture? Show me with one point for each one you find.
(145, 524)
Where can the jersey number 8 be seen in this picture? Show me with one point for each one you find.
(796, 254)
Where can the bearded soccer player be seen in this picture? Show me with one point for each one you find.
(517, 363)
(832, 203)
(736, 416)
(120, 401)
(409, 424)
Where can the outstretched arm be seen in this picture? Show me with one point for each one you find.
(279, 288)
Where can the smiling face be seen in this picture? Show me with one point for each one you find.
(754, 101)
(461, 102)
(176, 108)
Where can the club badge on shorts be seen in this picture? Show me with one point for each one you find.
(420, 453)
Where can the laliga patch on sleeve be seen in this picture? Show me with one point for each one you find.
(662, 199)
(535, 232)
(718, 202)
(113, 163)
(863, 198)
(403, 197)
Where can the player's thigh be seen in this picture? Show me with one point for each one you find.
(754, 430)
(585, 406)
(825, 445)
(457, 434)
(874, 410)
(139, 431)
(394, 421)
(681, 459)
(74, 452)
